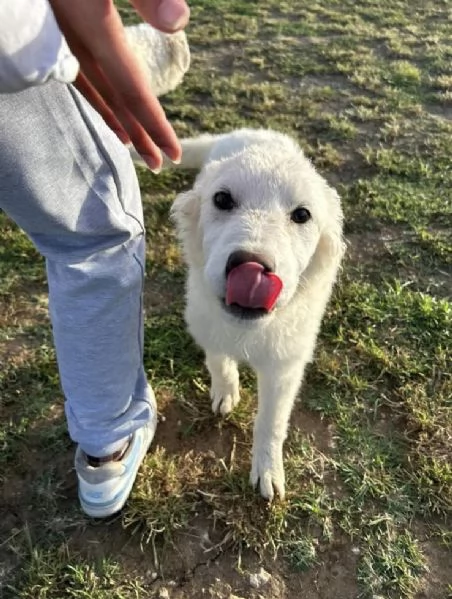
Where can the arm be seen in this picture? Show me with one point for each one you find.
(32, 49)
(110, 76)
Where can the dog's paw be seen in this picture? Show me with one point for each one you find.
(224, 399)
(267, 472)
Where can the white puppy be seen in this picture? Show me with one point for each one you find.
(261, 233)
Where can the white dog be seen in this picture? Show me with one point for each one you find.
(261, 233)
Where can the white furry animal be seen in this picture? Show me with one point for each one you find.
(165, 57)
(261, 233)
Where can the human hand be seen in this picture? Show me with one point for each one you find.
(111, 78)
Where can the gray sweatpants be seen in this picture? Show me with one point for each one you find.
(69, 183)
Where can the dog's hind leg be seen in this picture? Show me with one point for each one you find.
(277, 389)
(224, 389)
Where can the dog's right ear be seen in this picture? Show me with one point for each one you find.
(185, 212)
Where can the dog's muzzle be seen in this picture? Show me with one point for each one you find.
(252, 287)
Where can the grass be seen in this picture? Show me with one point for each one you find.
(366, 89)
(59, 575)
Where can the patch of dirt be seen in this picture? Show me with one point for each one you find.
(438, 110)
(314, 427)
(174, 434)
(158, 295)
(17, 350)
(439, 574)
(377, 250)
(24, 310)
(191, 571)
(20, 515)
(17, 488)
(198, 565)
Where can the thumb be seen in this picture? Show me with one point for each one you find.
(165, 15)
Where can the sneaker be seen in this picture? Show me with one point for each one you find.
(103, 490)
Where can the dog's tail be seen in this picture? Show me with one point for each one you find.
(195, 151)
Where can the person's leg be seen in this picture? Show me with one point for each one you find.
(68, 182)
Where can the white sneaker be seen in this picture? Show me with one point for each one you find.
(103, 490)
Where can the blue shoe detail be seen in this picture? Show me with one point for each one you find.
(104, 490)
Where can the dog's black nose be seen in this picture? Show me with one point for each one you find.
(241, 256)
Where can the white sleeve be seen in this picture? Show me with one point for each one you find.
(32, 47)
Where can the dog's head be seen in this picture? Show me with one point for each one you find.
(261, 223)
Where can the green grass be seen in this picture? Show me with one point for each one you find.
(366, 89)
(60, 575)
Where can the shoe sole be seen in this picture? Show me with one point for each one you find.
(104, 510)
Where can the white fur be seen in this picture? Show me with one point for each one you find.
(164, 56)
(269, 176)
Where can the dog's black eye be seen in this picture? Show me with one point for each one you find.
(300, 215)
(223, 200)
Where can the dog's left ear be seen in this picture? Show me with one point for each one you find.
(333, 233)
(185, 212)
(331, 246)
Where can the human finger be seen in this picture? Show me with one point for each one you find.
(98, 91)
(95, 33)
(84, 86)
(166, 15)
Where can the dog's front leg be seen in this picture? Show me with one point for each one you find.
(277, 389)
(224, 389)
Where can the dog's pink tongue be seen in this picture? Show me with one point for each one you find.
(250, 286)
